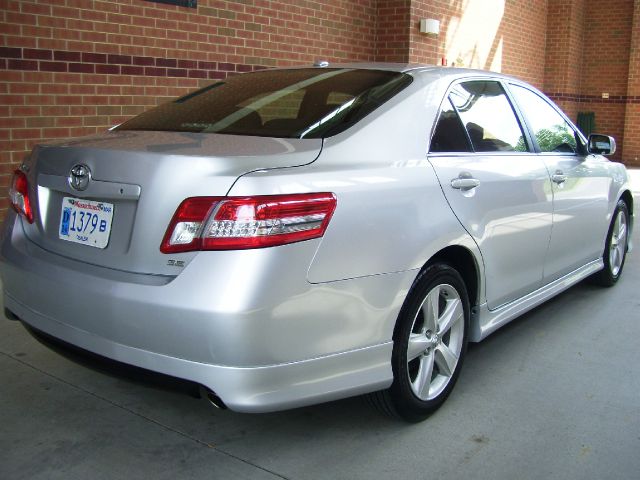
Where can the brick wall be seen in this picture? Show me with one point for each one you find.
(506, 36)
(428, 49)
(564, 52)
(392, 31)
(587, 57)
(631, 147)
(523, 31)
(606, 65)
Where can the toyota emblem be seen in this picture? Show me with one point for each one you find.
(79, 177)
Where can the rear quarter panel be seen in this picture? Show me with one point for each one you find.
(387, 219)
(391, 214)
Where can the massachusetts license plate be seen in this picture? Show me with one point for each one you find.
(85, 222)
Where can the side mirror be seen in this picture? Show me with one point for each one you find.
(601, 144)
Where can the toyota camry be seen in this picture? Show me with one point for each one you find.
(293, 236)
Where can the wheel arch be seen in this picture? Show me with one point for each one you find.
(463, 260)
(628, 199)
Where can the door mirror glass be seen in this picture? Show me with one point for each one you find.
(601, 144)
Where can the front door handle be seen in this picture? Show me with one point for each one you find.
(465, 182)
(559, 177)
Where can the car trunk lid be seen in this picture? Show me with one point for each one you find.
(144, 176)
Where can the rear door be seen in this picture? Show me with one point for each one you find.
(495, 185)
(580, 185)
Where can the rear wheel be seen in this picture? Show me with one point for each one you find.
(615, 250)
(430, 342)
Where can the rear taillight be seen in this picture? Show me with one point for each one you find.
(19, 195)
(233, 223)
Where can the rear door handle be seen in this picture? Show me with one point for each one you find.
(464, 183)
(559, 177)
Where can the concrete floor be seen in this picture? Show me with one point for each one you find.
(554, 395)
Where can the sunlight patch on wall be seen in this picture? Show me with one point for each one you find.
(473, 40)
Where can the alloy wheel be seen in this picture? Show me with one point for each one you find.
(618, 245)
(436, 342)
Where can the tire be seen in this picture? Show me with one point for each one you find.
(429, 345)
(616, 246)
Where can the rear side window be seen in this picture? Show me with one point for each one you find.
(449, 135)
(488, 117)
(552, 132)
(297, 103)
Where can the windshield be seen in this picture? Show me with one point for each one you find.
(301, 103)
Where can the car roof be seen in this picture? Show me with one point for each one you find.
(414, 68)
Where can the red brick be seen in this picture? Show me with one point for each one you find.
(68, 121)
(166, 62)
(67, 56)
(94, 57)
(12, 100)
(37, 54)
(55, 110)
(23, 87)
(177, 72)
(121, 59)
(82, 67)
(207, 65)
(21, 41)
(54, 88)
(24, 133)
(22, 64)
(53, 66)
(56, 132)
(197, 74)
(6, 123)
(132, 70)
(35, 8)
(108, 69)
(143, 61)
(24, 111)
(10, 52)
(155, 71)
(187, 64)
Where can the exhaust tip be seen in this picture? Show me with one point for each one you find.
(212, 398)
(10, 315)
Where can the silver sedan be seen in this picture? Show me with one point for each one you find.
(294, 236)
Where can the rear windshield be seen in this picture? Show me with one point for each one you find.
(304, 103)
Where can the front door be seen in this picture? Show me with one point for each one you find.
(580, 185)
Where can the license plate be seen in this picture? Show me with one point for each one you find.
(86, 222)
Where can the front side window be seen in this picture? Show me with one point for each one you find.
(487, 115)
(296, 103)
(552, 132)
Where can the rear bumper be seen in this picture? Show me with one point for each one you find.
(257, 389)
(260, 345)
